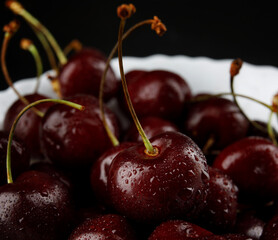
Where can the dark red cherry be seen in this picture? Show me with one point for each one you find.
(153, 188)
(100, 170)
(220, 212)
(82, 75)
(178, 230)
(158, 93)
(152, 126)
(217, 119)
(230, 236)
(271, 229)
(249, 224)
(110, 226)
(34, 207)
(28, 126)
(20, 157)
(73, 138)
(252, 163)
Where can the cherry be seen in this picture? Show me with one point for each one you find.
(230, 236)
(220, 212)
(270, 230)
(215, 123)
(76, 138)
(172, 183)
(253, 165)
(152, 127)
(20, 154)
(36, 206)
(158, 93)
(100, 170)
(82, 74)
(110, 226)
(29, 125)
(178, 230)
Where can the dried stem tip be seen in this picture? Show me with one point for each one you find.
(158, 26)
(25, 43)
(15, 6)
(11, 27)
(275, 103)
(126, 11)
(235, 67)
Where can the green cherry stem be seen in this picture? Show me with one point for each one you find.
(110, 134)
(270, 129)
(8, 159)
(27, 44)
(18, 9)
(74, 45)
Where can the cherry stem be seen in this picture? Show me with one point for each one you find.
(48, 50)
(270, 129)
(8, 159)
(110, 134)
(28, 45)
(150, 150)
(74, 45)
(234, 70)
(18, 9)
(10, 30)
(208, 144)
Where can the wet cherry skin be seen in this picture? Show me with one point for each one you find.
(152, 126)
(20, 157)
(220, 212)
(178, 230)
(218, 118)
(270, 230)
(82, 75)
(158, 93)
(252, 163)
(100, 170)
(28, 126)
(73, 138)
(109, 226)
(171, 184)
(36, 206)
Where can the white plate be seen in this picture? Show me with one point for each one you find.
(202, 74)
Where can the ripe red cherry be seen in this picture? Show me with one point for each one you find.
(34, 207)
(28, 126)
(270, 230)
(252, 163)
(178, 230)
(158, 93)
(220, 212)
(152, 127)
(218, 119)
(82, 75)
(100, 170)
(110, 226)
(20, 157)
(73, 138)
(153, 188)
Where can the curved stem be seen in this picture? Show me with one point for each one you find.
(75, 45)
(18, 9)
(8, 159)
(150, 150)
(112, 137)
(26, 44)
(270, 130)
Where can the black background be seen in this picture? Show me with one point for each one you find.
(228, 30)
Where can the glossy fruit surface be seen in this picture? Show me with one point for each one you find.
(28, 126)
(110, 226)
(20, 156)
(34, 207)
(270, 230)
(252, 163)
(158, 93)
(178, 230)
(152, 126)
(171, 184)
(82, 75)
(216, 118)
(76, 138)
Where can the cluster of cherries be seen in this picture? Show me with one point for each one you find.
(185, 167)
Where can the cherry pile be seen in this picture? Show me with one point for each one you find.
(185, 167)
